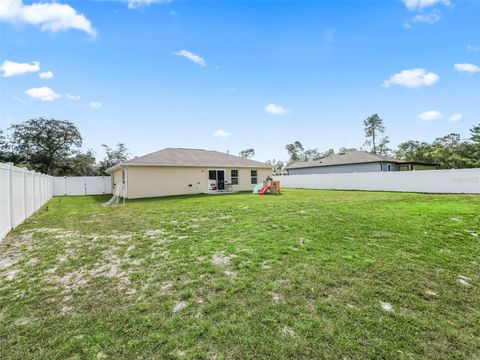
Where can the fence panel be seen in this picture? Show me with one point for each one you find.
(22, 192)
(17, 197)
(95, 185)
(4, 200)
(466, 181)
(75, 185)
(29, 193)
(81, 185)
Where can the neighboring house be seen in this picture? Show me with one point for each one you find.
(355, 161)
(187, 171)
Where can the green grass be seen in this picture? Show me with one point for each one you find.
(302, 275)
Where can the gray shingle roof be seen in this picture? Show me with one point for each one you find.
(191, 158)
(348, 157)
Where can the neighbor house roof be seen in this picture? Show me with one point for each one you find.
(181, 157)
(345, 158)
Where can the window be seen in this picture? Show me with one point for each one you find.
(234, 177)
(253, 177)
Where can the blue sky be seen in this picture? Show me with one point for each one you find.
(231, 75)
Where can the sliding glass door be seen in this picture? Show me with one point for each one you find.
(216, 180)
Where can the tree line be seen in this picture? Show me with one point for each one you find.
(53, 147)
(447, 152)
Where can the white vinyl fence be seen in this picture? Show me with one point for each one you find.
(426, 181)
(22, 192)
(81, 185)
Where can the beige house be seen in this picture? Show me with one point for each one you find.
(187, 171)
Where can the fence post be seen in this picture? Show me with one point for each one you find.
(10, 197)
(24, 194)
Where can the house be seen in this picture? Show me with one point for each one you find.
(355, 161)
(179, 171)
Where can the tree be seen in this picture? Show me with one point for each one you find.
(3, 147)
(43, 143)
(113, 156)
(345, 149)
(475, 138)
(278, 166)
(295, 151)
(413, 150)
(373, 127)
(382, 148)
(311, 155)
(81, 164)
(451, 152)
(247, 153)
(475, 134)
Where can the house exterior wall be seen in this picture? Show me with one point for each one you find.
(156, 181)
(393, 166)
(350, 168)
(117, 178)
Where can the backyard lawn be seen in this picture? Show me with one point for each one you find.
(304, 275)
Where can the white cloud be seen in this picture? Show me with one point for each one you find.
(473, 47)
(43, 93)
(470, 68)
(191, 56)
(430, 18)
(415, 5)
(221, 134)
(275, 109)
(414, 78)
(456, 117)
(46, 75)
(72, 97)
(12, 68)
(50, 16)
(95, 104)
(430, 115)
(134, 4)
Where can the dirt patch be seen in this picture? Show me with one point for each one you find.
(277, 298)
(165, 287)
(9, 261)
(32, 262)
(288, 331)
(220, 259)
(120, 237)
(154, 232)
(386, 306)
(12, 274)
(23, 321)
(464, 280)
(179, 306)
(230, 273)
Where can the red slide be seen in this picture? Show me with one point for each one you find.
(264, 190)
